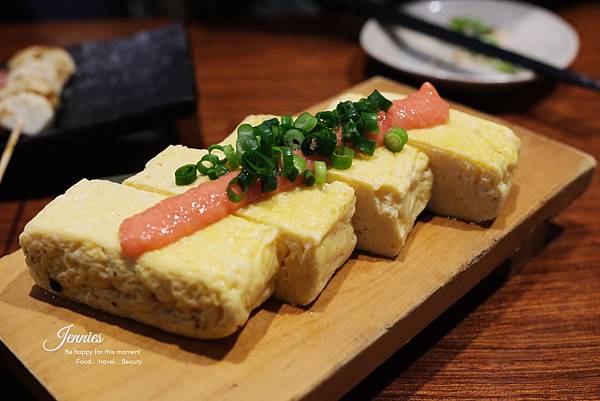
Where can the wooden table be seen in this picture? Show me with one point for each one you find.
(534, 335)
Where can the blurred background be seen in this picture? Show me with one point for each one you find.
(319, 27)
(19, 10)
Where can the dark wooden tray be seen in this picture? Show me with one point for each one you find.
(119, 86)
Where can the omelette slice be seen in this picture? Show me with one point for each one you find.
(392, 189)
(473, 162)
(204, 285)
(315, 236)
(314, 224)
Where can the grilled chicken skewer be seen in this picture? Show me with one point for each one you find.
(32, 87)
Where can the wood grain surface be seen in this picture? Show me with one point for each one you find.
(534, 336)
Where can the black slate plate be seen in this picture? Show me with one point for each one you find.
(122, 85)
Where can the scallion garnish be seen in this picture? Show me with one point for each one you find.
(393, 142)
(299, 164)
(309, 178)
(369, 121)
(399, 131)
(365, 104)
(327, 119)
(320, 172)
(268, 183)
(287, 121)
(232, 194)
(395, 139)
(256, 162)
(266, 151)
(284, 159)
(217, 171)
(267, 132)
(231, 158)
(246, 139)
(366, 146)
(341, 158)
(321, 142)
(379, 101)
(213, 161)
(245, 130)
(348, 110)
(306, 122)
(185, 174)
(350, 131)
(293, 138)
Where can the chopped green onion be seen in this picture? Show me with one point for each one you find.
(299, 167)
(365, 105)
(246, 139)
(401, 132)
(366, 146)
(245, 179)
(320, 172)
(309, 178)
(275, 130)
(321, 142)
(379, 101)
(293, 175)
(341, 157)
(350, 131)
(348, 110)
(287, 121)
(245, 129)
(293, 138)
(285, 159)
(299, 164)
(271, 122)
(217, 171)
(328, 119)
(268, 183)
(217, 147)
(393, 142)
(185, 174)
(231, 158)
(470, 26)
(306, 122)
(369, 122)
(210, 158)
(256, 162)
(232, 194)
(267, 133)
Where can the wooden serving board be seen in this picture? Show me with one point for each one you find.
(370, 309)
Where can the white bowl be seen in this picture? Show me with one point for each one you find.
(524, 28)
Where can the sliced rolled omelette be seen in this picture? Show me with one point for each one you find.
(203, 285)
(391, 189)
(314, 224)
(473, 162)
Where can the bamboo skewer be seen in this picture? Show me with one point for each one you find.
(10, 147)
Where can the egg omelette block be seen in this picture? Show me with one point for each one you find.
(391, 191)
(314, 224)
(473, 162)
(203, 285)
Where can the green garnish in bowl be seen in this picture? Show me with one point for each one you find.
(479, 29)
